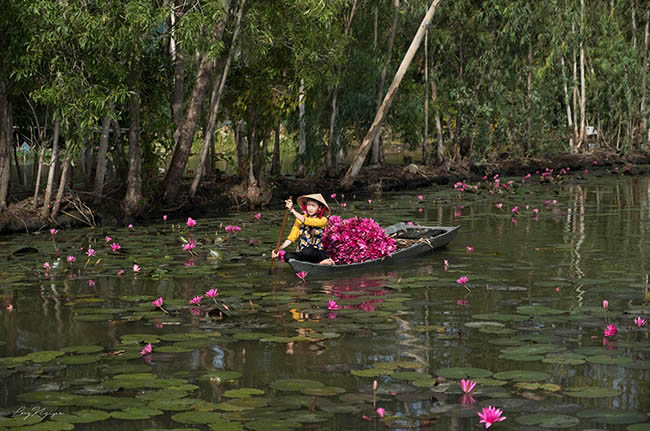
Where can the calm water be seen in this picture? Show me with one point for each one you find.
(533, 304)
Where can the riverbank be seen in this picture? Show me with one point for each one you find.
(222, 196)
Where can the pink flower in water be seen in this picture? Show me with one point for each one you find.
(189, 245)
(130, 226)
(333, 196)
(527, 176)
(420, 197)
(147, 349)
(53, 231)
(232, 229)
(302, 275)
(467, 400)
(467, 385)
(469, 249)
(281, 254)
(369, 201)
(71, 259)
(410, 223)
(605, 304)
(595, 163)
(90, 252)
(374, 385)
(491, 415)
(189, 262)
(195, 311)
(120, 273)
(165, 217)
(640, 322)
(463, 280)
(445, 262)
(381, 412)
(344, 205)
(91, 283)
(47, 266)
(462, 302)
(191, 222)
(212, 293)
(258, 216)
(611, 330)
(499, 205)
(535, 210)
(107, 238)
(115, 246)
(196, 300)
(332, 305)
(158, 303)
(136, 268)
(515, 210)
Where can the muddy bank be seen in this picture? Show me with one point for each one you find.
(219, 197)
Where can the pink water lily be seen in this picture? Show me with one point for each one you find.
(47, 266)
(212, 293)
(165, 217)
(640, 322)
(91, 283)
(369, 201)
(115, 246)
(130, 226)
(136, 268)
(467, 385)
(499, 205)
(281, 254)
(381, 412)
(605, 304)
(356, 240)
(515, 209)
(462, 280)
(53, 231)
(333, 196)
(71, 259)
(491, 415)
(611, 330)
(258, 216)
(196, 311)
(469, 249)
(232, 229)
(120, 273)
(332, 305)
(189, 245)
(196, 300)
(420, 197)
(191, 222)
(90, 252)
(158, 303)
(147, 349)
(302, 275)
(536, 210)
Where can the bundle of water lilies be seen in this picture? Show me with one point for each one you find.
(356, 240)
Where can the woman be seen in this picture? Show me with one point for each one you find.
(308, 230)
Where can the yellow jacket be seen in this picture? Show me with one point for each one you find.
(310, 232)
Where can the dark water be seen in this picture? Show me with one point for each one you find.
(536, 282)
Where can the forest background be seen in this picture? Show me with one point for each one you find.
(143, 105)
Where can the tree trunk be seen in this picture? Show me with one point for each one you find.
(242, 152)
(436, 114)
(527, 146)
(215, 98)
(567, 101)
(634, 4)
(37, 186)
(45, 210)
(275, 162)
(63, 181)
(132, 204)
(174, 177)
(426, 98)
(583, 87)
(377, 153)
(355, 167)
(100, 172)
(19, 172)
(302, 146)
(576, 133)
(178, 97)
(644, 75)
(6, 122)
(375, 26)
(329, 162)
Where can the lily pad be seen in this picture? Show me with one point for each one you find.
(371, 372)
(539, 310)
(136, 413)
(609, 360)
(565, 359)
(463, 373)
(79, 359)
(613, 416)
(549, 421)
(83, 349)
(197, 418)
(242, 392)
(327, 391)
(220, 376)
(296, 385)
(82, 416)
(592, 392)
(522, 376)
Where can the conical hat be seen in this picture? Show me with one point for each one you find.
(318, 198)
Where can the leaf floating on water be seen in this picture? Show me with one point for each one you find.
(550, 421)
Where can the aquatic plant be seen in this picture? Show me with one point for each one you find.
(356, 240)
(158, 303)
(611, 330)
(191, 222)
(196, 300)
(147, 350)
(332, 305)
(467, 385)
(490, 415)
(302, 275)
(381, 412)
(640, 322)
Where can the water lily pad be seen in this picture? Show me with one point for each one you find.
(371, 372)
(353, 398)
(539, 310)
(522, 376)
(463, 373)
(638, 427)
(224, 425)
(521, 357)
(82, 416)
(83, 349)
(484, 324)
(165, 394)
(592, 392)
(311, 418)
(565, 359)
(609, 360)
(48, 426)
(410, 375)
(178, 405)
(549, 421)
(242, 392)
(501, 317)
(197, 418)
(79, 359)
(327, 391)
(107, 402)
(533, 349)
(43, 356)
(269, 425)
(220, 376)
(22, 418)
(136, 413)
(296, 385)
(613, 416)
(49, 398)
(250, 335)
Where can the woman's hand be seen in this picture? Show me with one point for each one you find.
(274, 254)
(289, 204)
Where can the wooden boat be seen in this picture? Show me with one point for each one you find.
(415, 241)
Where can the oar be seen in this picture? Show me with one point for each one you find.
(277, 244)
